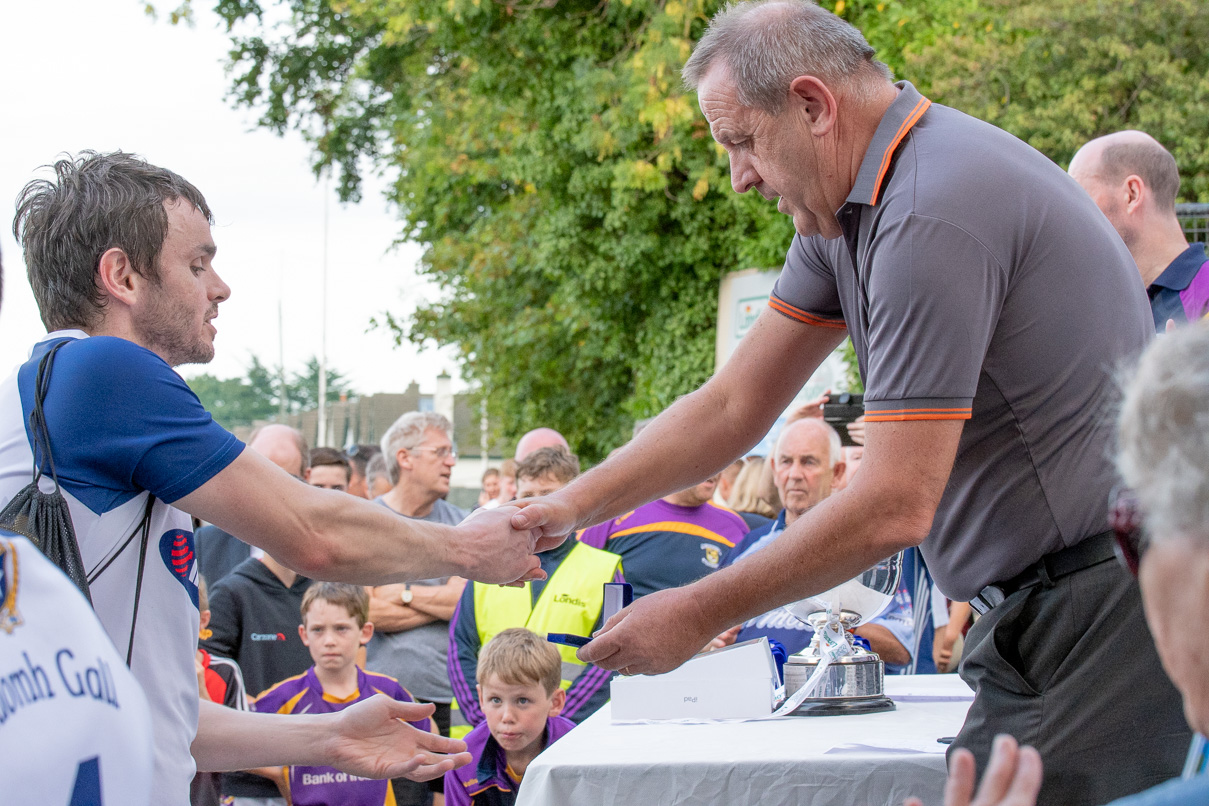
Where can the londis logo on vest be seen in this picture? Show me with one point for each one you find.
(568, 599)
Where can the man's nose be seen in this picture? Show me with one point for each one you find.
(743, 174)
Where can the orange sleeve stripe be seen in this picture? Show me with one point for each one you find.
(874, 418)
(782, 307)
(910, 120)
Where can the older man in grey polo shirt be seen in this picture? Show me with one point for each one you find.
(973, 276)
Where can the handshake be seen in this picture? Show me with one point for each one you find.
(500, 545)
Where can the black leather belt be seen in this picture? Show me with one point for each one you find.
(1092, 551)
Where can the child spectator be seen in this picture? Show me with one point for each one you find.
(519, 689)
(218, 680)
(335, 624)
(255, 616)
(569, 600)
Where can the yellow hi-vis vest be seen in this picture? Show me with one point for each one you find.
(570, 603)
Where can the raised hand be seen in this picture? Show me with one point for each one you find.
(1013, 777)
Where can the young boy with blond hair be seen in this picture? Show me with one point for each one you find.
(335, 624)
(518, 685)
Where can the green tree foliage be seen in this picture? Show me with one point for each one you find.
(257, 394)
(1060, 72)
(576, 213)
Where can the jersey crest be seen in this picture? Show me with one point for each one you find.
(176, 550)
(10, 617)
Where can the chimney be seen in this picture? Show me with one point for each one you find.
(442, 401)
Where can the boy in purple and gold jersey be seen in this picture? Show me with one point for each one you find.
(335, 624)
(519, 676)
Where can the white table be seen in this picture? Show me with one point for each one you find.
(866, 760)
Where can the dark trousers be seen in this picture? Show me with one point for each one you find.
(1072, 670)
(413, 793)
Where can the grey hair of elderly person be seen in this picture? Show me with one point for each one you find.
(1163, 433)
(407, 433)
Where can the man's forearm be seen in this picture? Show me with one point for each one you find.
(229, 740)
(888, 506)
(394, 616)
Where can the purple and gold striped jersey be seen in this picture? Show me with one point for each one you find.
(325, 786)
(664, 545)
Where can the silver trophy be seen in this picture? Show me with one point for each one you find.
(833, 675)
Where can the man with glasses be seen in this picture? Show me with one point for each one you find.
(411, 621)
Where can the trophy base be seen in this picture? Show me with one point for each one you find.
(839, 707)
(851, 685)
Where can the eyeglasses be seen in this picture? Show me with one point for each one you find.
(442, 453)
(1125, 518)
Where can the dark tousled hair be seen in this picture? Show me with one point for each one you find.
(94, 203)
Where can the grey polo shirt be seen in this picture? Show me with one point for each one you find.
(416, 657)
(979, 282)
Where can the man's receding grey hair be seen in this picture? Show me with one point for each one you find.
(1163, 433)
(834, 444)
(407, 432)
(766, 44)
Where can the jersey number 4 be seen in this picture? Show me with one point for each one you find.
(87, 789)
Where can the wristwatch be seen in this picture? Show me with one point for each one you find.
(406, 595)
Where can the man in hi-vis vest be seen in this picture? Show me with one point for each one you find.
(569, 600)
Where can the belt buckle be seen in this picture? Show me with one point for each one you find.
(987, 598)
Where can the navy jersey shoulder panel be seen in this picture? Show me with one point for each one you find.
(122, 421)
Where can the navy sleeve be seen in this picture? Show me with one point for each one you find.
(463, 658)
(122, 421)
(226, 624)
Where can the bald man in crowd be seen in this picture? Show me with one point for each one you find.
(1134, 180)
(537, 439)
(808, 461)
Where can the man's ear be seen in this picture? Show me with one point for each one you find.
(1135, 192)
(117, 276)
(813, 99)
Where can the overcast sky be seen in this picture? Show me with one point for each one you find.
(100, 74)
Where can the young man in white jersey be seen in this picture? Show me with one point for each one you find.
(120, 258)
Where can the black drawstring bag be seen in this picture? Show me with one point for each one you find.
(44, 517)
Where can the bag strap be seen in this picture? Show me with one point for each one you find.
(37, 418)
(138, 585)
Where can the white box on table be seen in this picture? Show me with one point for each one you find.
(736, 682)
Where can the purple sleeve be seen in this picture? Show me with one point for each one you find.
(455, 791)
(462, 660)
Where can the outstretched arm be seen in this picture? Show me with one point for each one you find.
(697, 436)
(889, 506)
(366, 739)
(329, 535)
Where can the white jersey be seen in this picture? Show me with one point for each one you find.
(123, 423)
(74, 724)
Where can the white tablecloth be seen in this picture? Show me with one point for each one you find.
(866, 760)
